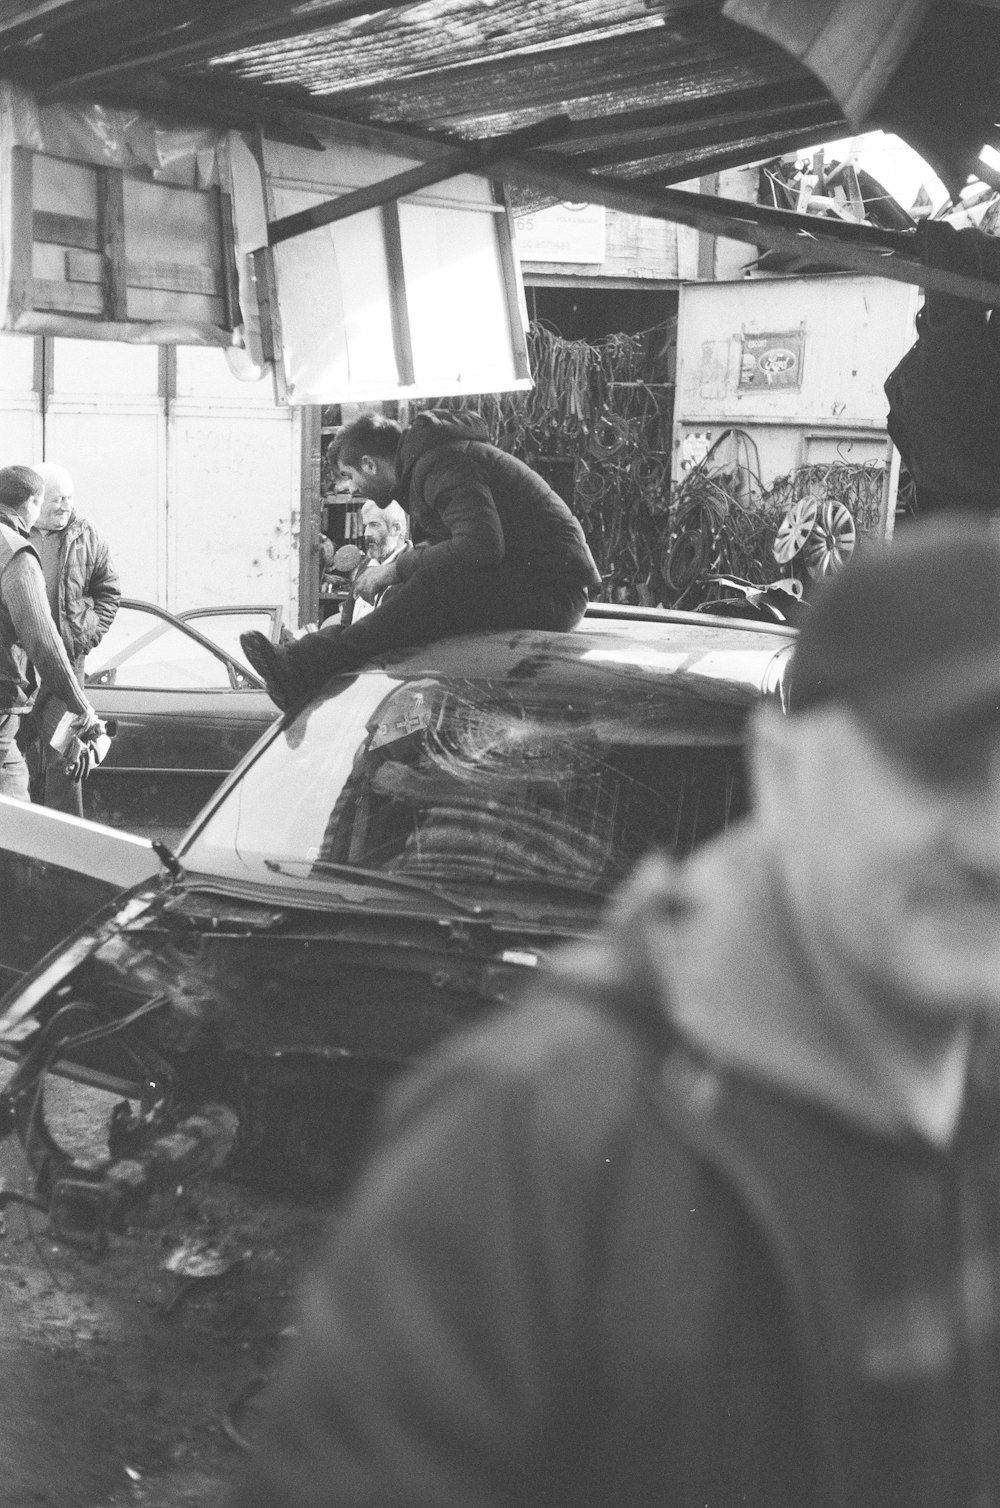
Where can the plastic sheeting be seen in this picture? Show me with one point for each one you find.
(95, 134)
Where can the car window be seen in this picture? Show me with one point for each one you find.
(143, 651)
(224, 629)
(474, 783)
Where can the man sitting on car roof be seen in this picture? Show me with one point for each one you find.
(495, 548)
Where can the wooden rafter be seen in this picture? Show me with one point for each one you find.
(831, 243)
(471, 158)
(600, 129)
(794, 122)
(693, 164)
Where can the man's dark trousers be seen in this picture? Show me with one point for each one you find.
(434, 603)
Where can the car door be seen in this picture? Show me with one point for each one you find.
(183, 712)
(223, 626)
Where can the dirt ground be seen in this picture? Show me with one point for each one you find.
(124, 1385)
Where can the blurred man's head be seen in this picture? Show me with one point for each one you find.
(57, 503)
(880, 792)
(366, 455)
(384, 528)
(21, 490)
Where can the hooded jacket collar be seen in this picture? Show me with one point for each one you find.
(430, 429)
(717, 940)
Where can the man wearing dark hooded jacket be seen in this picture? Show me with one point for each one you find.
(713, 1218)
(495, 547)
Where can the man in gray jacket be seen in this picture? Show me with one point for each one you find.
(714, 1217)
(83, 592)
(494, 547)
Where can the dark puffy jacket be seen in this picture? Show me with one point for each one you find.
(474, 506)
(89, 590)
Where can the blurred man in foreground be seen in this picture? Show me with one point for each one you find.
(83, 592)
(714, 1217)
(28, 633)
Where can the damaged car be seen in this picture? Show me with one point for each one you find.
(392, 860)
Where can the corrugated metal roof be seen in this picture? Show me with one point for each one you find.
(468, 68)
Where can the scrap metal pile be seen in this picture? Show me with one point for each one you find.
(725, 524)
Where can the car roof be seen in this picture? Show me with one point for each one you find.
(734, 654)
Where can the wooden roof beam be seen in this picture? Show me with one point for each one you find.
(466, 159)
(831, 243)
(598, 128)
(753, 149)
(707, 133)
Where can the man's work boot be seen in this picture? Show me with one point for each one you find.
(291, 672)
(271, 664)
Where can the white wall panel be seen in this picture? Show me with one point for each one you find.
(20, 408)
(17, 363)
(234, 521)
(93, 369)
(196, 490)
(117, 462)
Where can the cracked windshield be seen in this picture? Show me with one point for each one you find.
(482, 784)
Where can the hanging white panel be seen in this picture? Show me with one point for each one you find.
(336, 325)
(456, 300)
(360, 318)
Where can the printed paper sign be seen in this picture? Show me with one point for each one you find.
(772, 360)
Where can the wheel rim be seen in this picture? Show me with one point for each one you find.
(794, 529)
(832, 541)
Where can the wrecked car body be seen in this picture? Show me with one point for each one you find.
(391, 861)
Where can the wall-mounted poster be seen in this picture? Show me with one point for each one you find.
(772, 360)
(563, 233)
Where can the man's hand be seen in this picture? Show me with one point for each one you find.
(84, 752)
(80, 761)
(88, 727)
(374, 579)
